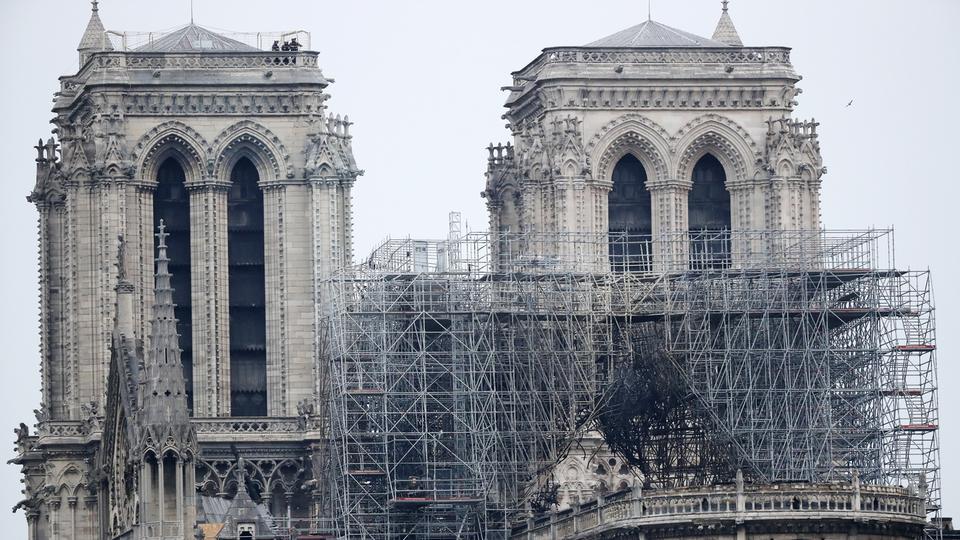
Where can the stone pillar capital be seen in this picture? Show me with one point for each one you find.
(667, 184)
(207, 183)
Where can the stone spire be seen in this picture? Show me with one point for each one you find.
(244, 511)
(95, 37)
(726, 32)
(163, 397)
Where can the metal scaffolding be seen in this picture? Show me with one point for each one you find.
(461, 370)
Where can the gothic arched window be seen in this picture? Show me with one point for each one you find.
(708, 206)
(709, 200)
(171, 203)
(248, 351)
(630, 217)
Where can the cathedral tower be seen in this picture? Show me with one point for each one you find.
(230, 145)
(656, 132)
(149, 133)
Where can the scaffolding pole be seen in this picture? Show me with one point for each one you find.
(457, 383)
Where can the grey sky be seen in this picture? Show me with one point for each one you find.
(421, 80)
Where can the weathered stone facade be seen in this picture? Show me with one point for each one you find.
(668, 99)
(200, 103)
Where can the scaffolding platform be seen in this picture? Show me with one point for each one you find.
(462, 370)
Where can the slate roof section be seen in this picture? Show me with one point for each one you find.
(653, 34)
(195, 38)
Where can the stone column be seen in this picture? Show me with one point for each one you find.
(160, 493)
(190, 493)
(328, 224)
(55, 517)
(140, 253)
(81, 372)
(72, 503)
(494, 207)
(600, 228)
(746, 223)
(33, 518)
(146, 491)
(566, 220)
(209, 280)
(668, 201)
(812, 205)
(346, 242)
(530, 195)
(93, 521)
(275, 281)
(181, 524)
(53, 282)
(106, 218)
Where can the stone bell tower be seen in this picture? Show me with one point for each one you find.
(229, 142)
(642, 150)
(656, 132)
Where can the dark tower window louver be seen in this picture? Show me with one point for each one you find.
(709, 214)
(171, 203)
(709, 200)
(630, 220)
(248, 340)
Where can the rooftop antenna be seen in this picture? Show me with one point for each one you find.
(191, 11)
(649, 10)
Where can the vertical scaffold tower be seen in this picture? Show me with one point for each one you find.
(456, 383)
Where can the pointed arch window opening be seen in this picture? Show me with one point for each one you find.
(245, 240)
(630, 218)
(171, 203)
(709, 215)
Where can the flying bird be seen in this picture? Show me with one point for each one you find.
(850, 104)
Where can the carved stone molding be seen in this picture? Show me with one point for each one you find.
(286, 103)
(630, 133)
(721, 136)
(265, 146)
(174, 134)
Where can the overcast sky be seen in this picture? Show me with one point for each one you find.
(421, 80)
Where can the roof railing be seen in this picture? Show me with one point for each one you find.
(128, 41)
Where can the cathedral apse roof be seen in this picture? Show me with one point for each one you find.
(650, 33)
(195, 38)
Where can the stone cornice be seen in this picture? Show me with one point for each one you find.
(143, 69)
(759, 56)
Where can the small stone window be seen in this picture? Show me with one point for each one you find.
(246, 530)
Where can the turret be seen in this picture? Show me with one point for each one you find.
(95, 37)
(726, 32)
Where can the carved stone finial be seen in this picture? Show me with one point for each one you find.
(725, 2)
(96, 7)
(162, 235)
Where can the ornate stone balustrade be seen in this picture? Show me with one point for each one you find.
(777, 504)
(253, 60)
(62, 428)
(590, 55)
(188, 62)
(753, 55)
(289, 428)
